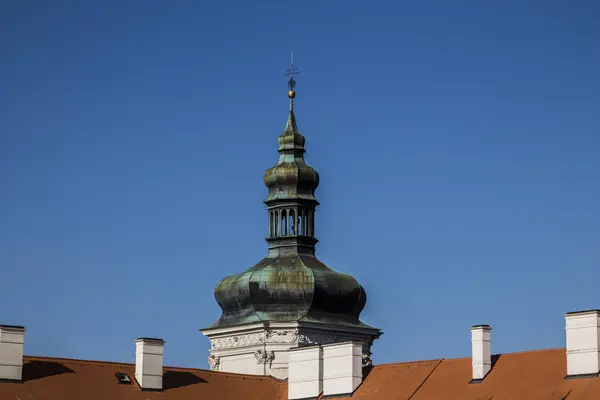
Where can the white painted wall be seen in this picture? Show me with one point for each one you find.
(11, 352)
(244, 363)
(342, 368)
(583, 352)
(481, 344)
(279, 366)
(305, 379)
(149, 363)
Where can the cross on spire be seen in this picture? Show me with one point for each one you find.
(290, 73)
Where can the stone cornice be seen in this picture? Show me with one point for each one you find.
(294, 337)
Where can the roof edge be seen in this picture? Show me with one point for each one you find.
(132, 365)
(434, 360)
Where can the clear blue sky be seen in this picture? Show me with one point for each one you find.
(457, 142)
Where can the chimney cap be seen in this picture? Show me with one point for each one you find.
(482, 326)
(13, 327)
(596, 311)
(150, 340)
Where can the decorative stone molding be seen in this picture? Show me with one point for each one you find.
(275, 337)
(316, 338)
(264, 357)
(281, 337)
(237, 341)
(214, 362)
(366, 361)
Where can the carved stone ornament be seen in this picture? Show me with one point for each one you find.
(264, 357)
(238, 341)
(275, 337)
(214, 362)
(366, 361)
(316, 338)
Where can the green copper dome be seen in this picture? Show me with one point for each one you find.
(290, 288)
(290, 283)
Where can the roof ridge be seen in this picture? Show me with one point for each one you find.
(232, 374)
(534, 351)
(74, 360)
(430, 361)
(167, 367)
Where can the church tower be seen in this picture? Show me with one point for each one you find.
(290, 298)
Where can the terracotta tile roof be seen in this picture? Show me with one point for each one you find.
(395, 381)
(528, 376)
(65, 379)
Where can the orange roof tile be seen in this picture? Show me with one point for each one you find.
(528, 376)
(65, 379)
(395, 381)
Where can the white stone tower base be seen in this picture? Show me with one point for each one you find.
(261, 348)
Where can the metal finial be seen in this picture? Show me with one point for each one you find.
(291, 72)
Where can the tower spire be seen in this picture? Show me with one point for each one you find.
(291, 72)
(292, 183)
(290, 285)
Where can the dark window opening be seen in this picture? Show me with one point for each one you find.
(123, 378)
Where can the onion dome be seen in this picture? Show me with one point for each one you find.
(290, 283)
(291, 178)
(296, 287)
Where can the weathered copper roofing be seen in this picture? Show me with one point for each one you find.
(291, 178)
(290, 283)
(293, 287)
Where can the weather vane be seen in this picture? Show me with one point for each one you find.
(292, 82)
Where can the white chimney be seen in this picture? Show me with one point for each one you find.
(583, 352)
(11, 352)
(149, 363)
(342, 368)
(481, 345)
(305, 372)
